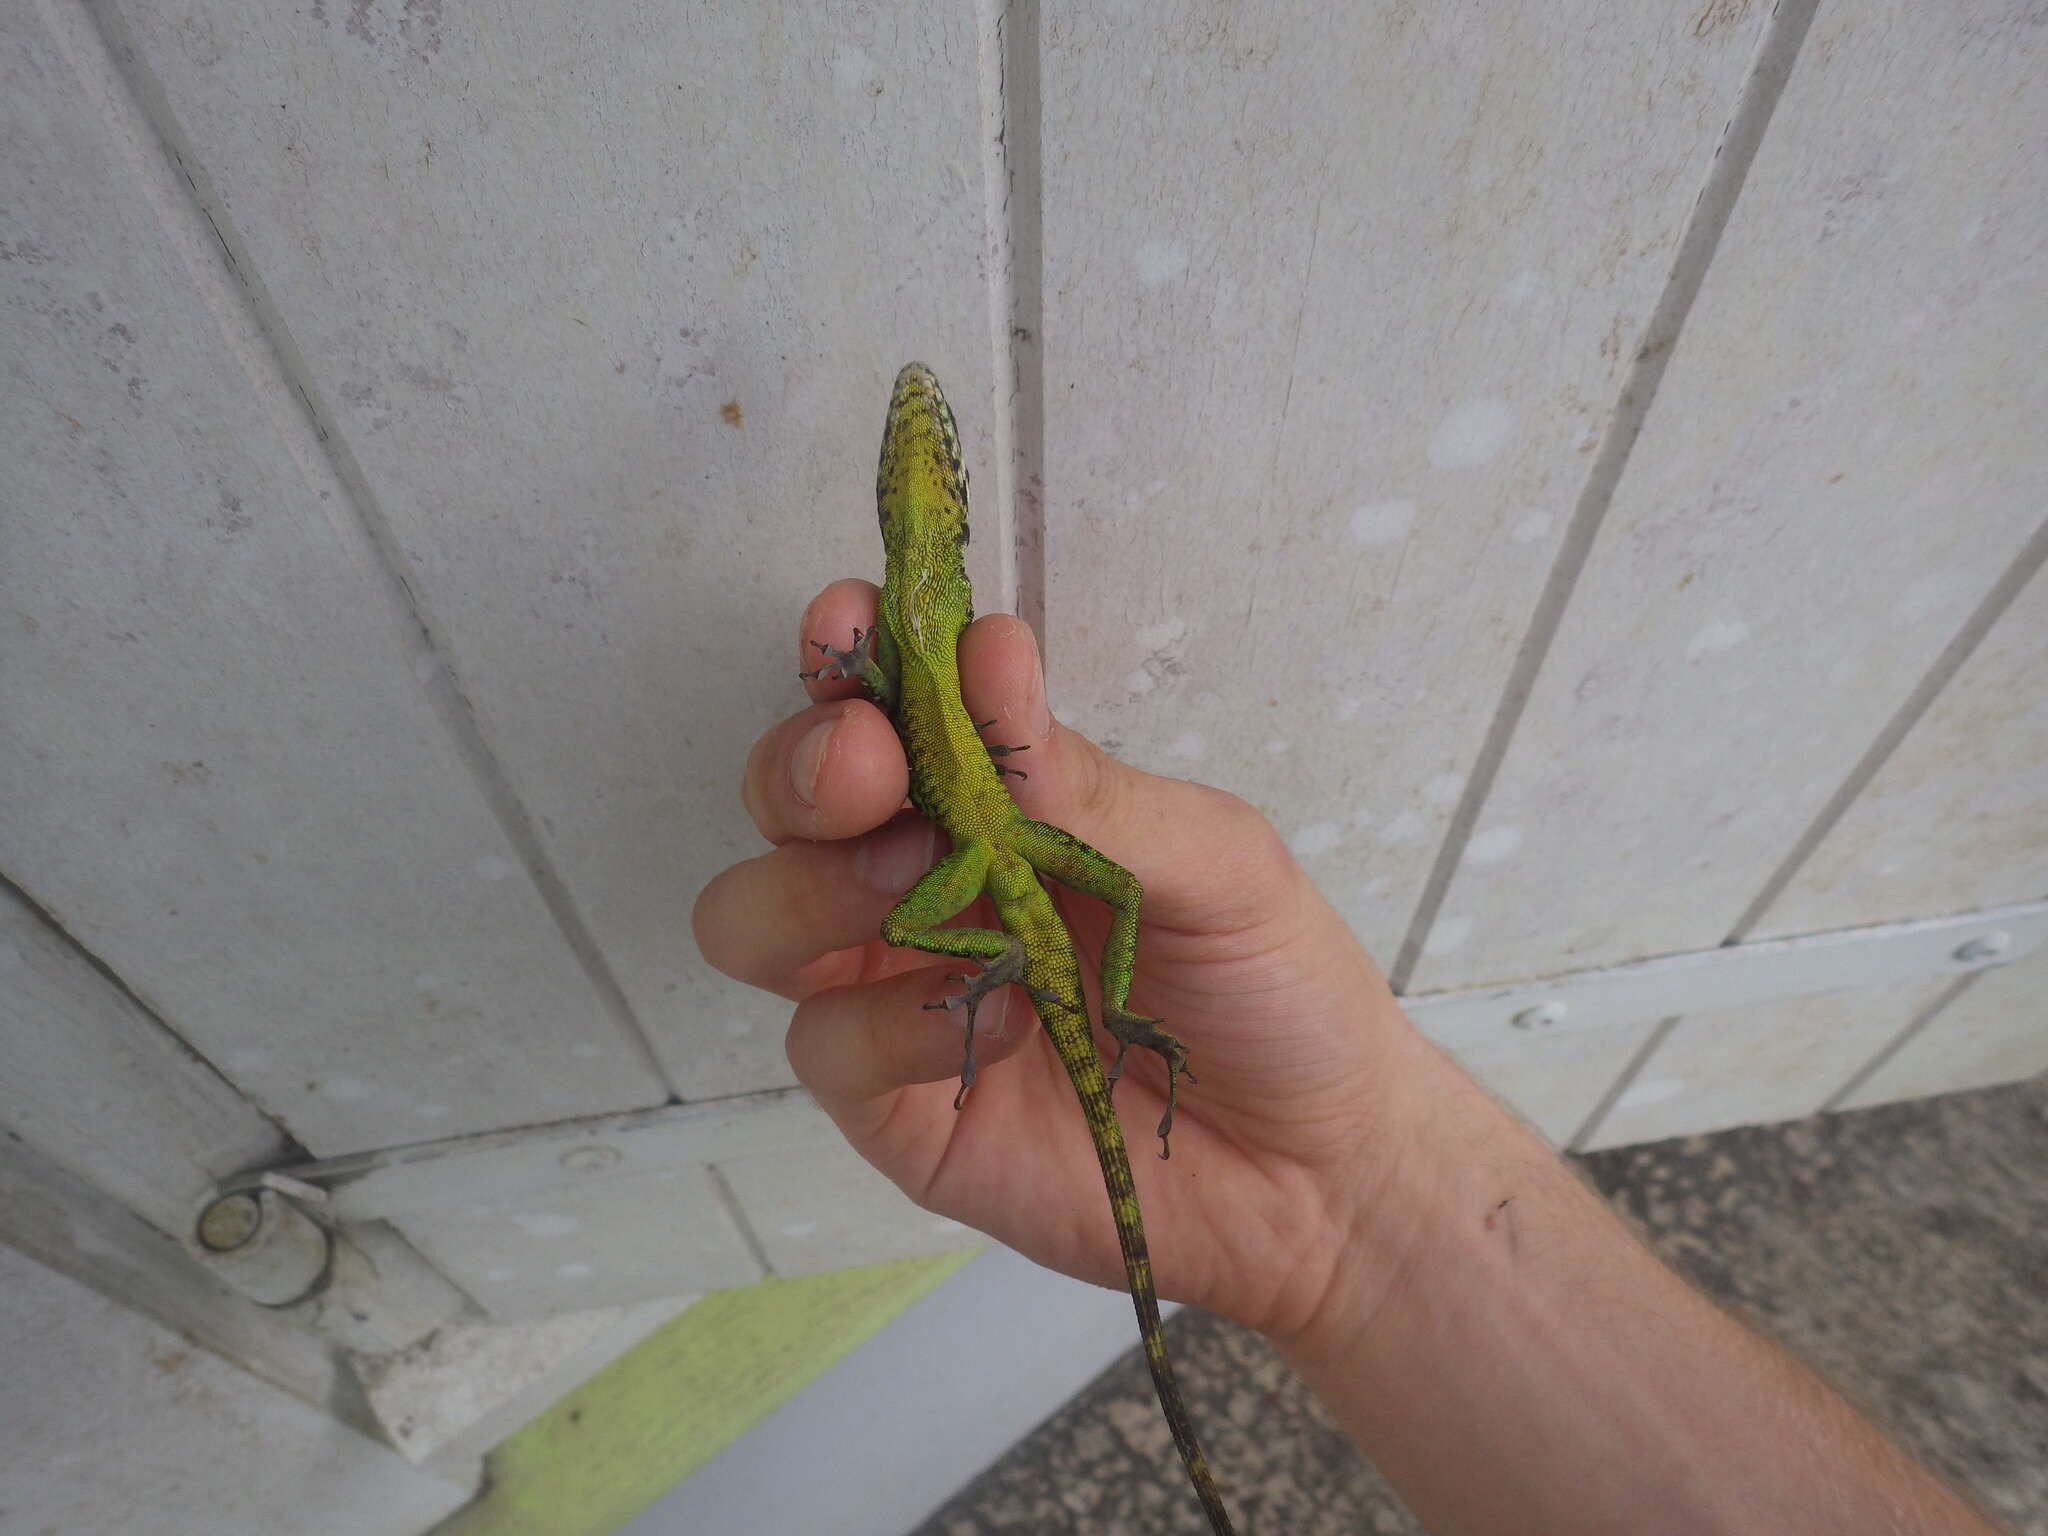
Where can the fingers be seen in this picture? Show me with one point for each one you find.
(853, 1046)
(792, 921)
(830, 771)
(1207, 859)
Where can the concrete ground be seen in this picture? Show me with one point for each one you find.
(1902, 1250)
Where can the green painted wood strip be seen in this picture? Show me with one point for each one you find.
(615, 1444)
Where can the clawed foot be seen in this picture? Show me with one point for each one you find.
(1000, 972)
(1002, 752)
(1131, 1029)
(838, 663)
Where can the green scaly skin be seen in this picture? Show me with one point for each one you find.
(909, 665)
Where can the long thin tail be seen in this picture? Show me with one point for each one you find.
(1084, 1070)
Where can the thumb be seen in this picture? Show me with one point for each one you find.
(1209, 862)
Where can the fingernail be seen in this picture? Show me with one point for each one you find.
(809, 759)
(891, 860)
(993, 1014)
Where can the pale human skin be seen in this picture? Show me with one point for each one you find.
(1497, 1342)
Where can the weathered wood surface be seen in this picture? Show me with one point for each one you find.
(1994, 1031)
(604, 308)
(225, 779)
(1844, 456)
(1334, 315)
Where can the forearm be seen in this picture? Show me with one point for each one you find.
(1531, 1367)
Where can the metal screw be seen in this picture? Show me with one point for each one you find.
(229, 1222)
(1542, 1016)
(1984, 947)
(589, 1159)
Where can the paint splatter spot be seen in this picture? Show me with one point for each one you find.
(1472, 433)
(1159, 261)
(545, 1223)
(730, 414)
(1448, 935)
(1318, 837)
(495, 867)
(1444, 789)
(1521, 288)
(1164, 635)
(1186, 744)
(1405, 830)
(1721, 635)
(1492, 845)
(574, 1271)
(1529, 529)
(1651, 1090)
(1383, 522)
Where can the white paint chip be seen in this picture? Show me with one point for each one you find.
(495, 867)
(248, 1059)
(1472, 433)
(1403, 830)
(1187, 744)
(1528, 530)
(1139, 681)
(1164, 635)
(1449, 934)
(1492, 845)
(1277, 747)
(1521, 288)
(574, 1271)
(545, 1223)
(1315, 838)
(736, 1028)
(1383, 522)
(1721, 635)
(1160, 261)
(498, 1274)
(801, 1228)
(347, 1090)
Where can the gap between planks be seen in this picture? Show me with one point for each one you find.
(137, 113)
(1777, 49)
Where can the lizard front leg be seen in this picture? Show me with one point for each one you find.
(1064, 857)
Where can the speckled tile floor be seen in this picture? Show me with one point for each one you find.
(1902, 1250)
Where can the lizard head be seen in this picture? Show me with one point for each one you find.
(921, 483)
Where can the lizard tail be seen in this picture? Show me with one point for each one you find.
(1084, 1069)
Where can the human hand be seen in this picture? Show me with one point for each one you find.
(1299, 1048)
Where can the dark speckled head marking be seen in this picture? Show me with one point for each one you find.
(921, 499)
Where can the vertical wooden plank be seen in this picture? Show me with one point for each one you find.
(1957, 818)
(1336, 305)
(602, 304)
(224, 777)
(1995, 1031)
(1845, 455)
(1556, 1083)
(1750, 1066)
(98, 1087)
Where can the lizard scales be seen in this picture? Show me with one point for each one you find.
(910, 667)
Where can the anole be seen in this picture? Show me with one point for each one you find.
(909, 666)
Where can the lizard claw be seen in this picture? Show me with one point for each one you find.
(840, 664)
(1131, 1029)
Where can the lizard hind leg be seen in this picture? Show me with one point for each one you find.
(943, 891)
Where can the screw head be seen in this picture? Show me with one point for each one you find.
(229, 1222)
(1986, 946)
(1542, 1016)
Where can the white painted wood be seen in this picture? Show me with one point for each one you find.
(1326, 357)
(457, 1394)
(1995, 1031)
(1958, 816)
(813, 1212)
(97, 1086)
(602, 307)
(1845, 453)
(1555, 1081)
(117, 1424)
(225, 779)
(1766, 971)
(1753, 1065)
(66, 1223)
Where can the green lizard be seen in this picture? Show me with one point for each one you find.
(909, 666)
